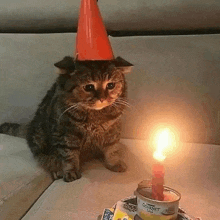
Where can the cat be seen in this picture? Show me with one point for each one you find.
(80, 118)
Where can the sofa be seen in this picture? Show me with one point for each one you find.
(174, 46)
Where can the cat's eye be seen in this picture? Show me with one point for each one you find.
(110, 86)
(89, 87)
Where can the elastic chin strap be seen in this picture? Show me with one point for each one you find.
(76, 59)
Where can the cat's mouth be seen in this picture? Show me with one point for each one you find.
(98, 105)
(101, 104)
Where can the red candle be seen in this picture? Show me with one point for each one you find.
(158, 181)
(158, 170)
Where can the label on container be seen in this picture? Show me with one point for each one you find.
(108, 214)
(160, 209)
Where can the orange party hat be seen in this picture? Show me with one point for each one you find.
(92, 42)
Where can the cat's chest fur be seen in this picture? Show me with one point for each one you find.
(98, 123)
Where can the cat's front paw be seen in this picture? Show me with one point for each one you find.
(118, 167)
(57, 175)
(71, 175)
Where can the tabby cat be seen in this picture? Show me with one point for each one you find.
(79, 118)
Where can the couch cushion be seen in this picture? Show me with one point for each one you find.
(175, 80)
(130, 15)
(21, 180)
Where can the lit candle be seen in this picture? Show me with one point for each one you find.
(158, 168)
(158, 181)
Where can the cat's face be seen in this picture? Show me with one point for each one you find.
(98, 87)
(95, 85)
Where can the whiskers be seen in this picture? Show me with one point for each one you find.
(121, 101)
(72, 108)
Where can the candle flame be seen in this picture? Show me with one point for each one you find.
(163, 141)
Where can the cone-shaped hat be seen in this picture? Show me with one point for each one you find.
(92, 42)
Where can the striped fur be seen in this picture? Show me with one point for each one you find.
(14, 129)
(76, 121)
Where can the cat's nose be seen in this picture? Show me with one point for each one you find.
(102, 100)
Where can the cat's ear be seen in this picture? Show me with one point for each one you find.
(66, 65)
(123, 65)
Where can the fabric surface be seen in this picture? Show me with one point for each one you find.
(139, 15)
(175, 80)
(21, 180)
(191, 169)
